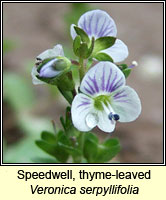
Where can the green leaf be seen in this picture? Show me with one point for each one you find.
(53, 150)
(63, 122)
(83, 35)
(48, 137)
(76, 44)
(52, 147)
(123, 66)
(127, 72)
(103, 43)
(83, 50)
(90, 147)
(71, 150)
(111, 142)
(90, 50)
(103, 57)
(61, 137)
(67, 123)
(108, 150)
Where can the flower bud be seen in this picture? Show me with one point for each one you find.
(54, 67)
(62, 63)
(59, 65)
(55, 71)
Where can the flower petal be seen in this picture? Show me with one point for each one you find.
(58, 50)
(82, 111)
(35, 80)
(104, 123)
(126, 104)
(51, 53)
(72, 31)
(97, 23)
(103, 78)
(118, 51)
(47, 71)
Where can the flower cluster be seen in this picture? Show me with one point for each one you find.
(103, 97)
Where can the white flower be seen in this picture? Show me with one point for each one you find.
(104, 99)
(98, 23)
(47, 70)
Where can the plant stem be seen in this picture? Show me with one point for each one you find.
(81, 68)
(67, 95)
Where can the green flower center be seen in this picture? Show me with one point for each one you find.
(101, 99)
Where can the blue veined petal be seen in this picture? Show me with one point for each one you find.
(104, 77)
(47, 71)
(83, 113)
(118, 51)
(96, 23)
(50, 53)
(126, 104)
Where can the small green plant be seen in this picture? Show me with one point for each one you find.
(101, 99)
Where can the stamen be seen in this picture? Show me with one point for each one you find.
(116, 117)
(133, 64)
(106, 109)
(112, 116)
